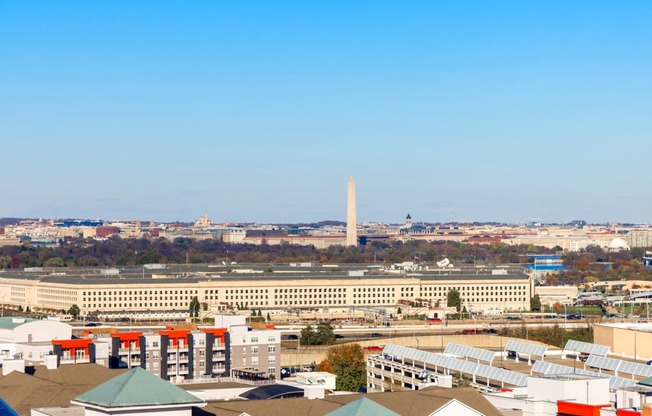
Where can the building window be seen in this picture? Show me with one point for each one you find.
(271, 348)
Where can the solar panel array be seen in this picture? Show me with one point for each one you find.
(552, 369)
(526, 348)
(470, 352)
(454, 364)
(621, 366)
(588, 348)
(603, 362)
(619, 382)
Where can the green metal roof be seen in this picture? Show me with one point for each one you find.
(362, 407)
(13, 322)
(137, 387)
(646, 381)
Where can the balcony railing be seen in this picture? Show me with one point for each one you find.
(75, 360)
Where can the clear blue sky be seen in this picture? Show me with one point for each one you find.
(260, 111)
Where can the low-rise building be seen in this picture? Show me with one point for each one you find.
(164, 294)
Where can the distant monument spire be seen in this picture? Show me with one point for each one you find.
(351, 225)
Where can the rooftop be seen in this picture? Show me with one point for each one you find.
(362, 407)
(51, 388)
(14, 322)
(405, 403)
(137, 387)
(182, 274)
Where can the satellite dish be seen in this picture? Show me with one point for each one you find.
(443, 263)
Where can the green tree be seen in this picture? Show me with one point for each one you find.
(535, 303)
(5, 262)
(308, 336)
(460, 380)
(269, 318)
(453, 299)
(322, 335)
(193, 307)
(348, 363)
(74, 311)
(325, 334)
(399, 311)
(54, 262)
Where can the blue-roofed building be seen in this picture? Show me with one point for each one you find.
(6, 410)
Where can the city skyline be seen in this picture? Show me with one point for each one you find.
(259, 112)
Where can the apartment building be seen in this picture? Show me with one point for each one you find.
(183, 354)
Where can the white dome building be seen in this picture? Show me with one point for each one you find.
(618, 244)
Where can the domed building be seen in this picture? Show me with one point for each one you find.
(618, 244)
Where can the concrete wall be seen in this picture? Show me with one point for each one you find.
(586, 390)
(625, 341)
(307, 355)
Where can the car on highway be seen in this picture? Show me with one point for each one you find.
(376, 335)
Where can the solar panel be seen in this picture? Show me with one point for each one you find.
(470, 352)
(546, 368)
(636, 369)
(619, 382)
(526, 348)
(501, 375)
(603, 363)
(456, 365)
(550, 369)
(587, 348)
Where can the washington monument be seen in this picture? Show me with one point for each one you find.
(351, 226)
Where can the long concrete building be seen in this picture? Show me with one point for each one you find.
(167, 291)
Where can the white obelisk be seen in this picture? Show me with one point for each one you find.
(351, 226)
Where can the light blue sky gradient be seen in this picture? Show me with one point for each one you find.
(260, 111)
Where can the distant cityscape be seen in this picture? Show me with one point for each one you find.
(246, 312)
(573, 236)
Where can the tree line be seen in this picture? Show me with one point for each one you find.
(121, 252)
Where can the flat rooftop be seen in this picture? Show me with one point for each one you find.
(205, 273)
